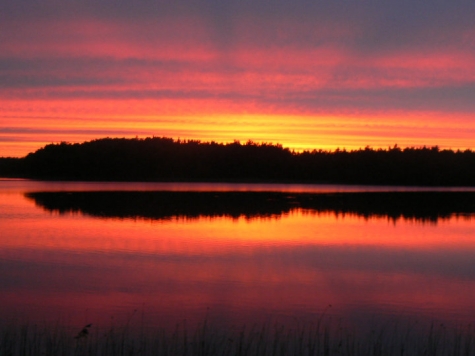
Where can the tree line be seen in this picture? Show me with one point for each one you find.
(166, 159)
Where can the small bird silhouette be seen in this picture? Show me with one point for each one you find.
(84, 332)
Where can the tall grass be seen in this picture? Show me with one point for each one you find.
(267, 339)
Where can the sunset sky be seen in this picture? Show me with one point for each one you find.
(306, 74)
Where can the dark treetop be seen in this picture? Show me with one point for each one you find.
(165, 159)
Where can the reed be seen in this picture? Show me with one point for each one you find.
(320, 338)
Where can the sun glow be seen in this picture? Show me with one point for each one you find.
(84, 120)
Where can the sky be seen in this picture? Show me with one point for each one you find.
(305, 74)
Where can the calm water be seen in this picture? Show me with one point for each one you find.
(155, 254)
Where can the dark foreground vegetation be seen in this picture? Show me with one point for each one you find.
(165, 159)
(267, 340)
(165, 205)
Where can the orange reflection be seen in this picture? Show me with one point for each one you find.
(76, 267)
(217, 235)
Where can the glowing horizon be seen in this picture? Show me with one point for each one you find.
(307, 76)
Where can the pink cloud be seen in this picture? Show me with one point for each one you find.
(238, 59)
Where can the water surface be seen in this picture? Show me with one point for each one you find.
(157, 254)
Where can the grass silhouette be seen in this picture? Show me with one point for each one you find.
(320, 338)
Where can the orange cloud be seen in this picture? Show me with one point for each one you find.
(307, 76)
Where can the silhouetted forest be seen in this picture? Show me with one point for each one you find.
(165, 159)
(165, 205)
(12, 167)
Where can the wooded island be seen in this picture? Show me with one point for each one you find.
(166, 159)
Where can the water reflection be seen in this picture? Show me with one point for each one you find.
(163, 205)
(239, 258)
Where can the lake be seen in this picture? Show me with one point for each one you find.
(157, 254)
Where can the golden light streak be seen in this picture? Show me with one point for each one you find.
(80, 121)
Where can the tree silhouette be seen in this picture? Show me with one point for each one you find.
(165, 159)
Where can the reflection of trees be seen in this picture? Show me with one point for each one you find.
(163, 205)
(164, 159)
